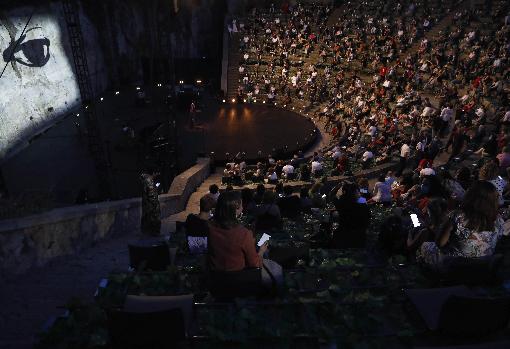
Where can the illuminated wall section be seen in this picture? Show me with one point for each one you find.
(38, 83)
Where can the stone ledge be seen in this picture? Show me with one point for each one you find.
(34, 240)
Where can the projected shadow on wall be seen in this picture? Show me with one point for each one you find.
(29, 52)
(38, 84)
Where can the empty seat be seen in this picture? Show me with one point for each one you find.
(471, 271)
(457, 311)
(150, 304)
(468, 316)
(227, 285)
(149, 255)
(135, 330)
(429, 301)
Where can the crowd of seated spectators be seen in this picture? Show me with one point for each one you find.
(384, 89)
(411, 91)
(457, 213)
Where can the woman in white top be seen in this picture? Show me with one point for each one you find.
(473, 231)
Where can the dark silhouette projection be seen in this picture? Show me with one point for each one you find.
(31, 53)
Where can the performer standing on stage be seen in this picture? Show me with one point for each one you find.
(192, 114)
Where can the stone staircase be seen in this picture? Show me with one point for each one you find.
(193, 205)
(438, 28)
(333, 17)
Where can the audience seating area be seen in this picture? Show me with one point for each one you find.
(376, 233)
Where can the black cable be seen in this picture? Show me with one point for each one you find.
(17, 43)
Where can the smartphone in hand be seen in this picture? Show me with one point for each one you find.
(265, 237)
(415, 220)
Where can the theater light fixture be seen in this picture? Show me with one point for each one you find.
(181, 82)
(159, 85)
(117, 92)
(137, 88)
(78, 114)
(244, 100)
(233, 100)
(263, 102)
(101, 99)
(224, 101)
(199, 81)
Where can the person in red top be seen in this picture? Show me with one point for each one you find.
(231, 246)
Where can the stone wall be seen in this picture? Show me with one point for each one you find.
(34, 240)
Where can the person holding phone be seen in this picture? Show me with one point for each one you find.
(437, 211)
(231, 246)
(473, 231)
(151, 212)
(353, 218)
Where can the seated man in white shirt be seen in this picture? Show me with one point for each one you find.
(288, 170)
(316, 167)
(270, 97)
(427, 171)
(427, 111)
(372, 130)
(272, 176)
(336, 153)
(447, 114)
(367, 155)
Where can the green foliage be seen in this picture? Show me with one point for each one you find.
(85, 327)
(341, 296)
